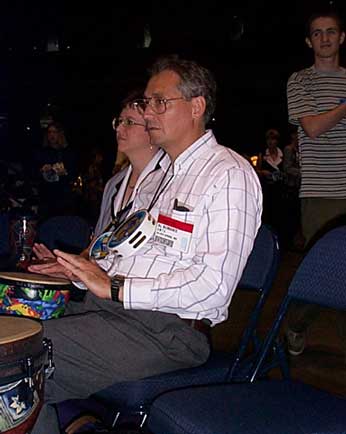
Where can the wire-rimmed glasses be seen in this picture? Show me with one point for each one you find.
(156, 103)
(125, 122)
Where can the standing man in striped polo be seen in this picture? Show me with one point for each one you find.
(317, 105)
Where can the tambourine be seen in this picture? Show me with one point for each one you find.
(33, 295)
(99, 248)
(133, 234)
(130, 236)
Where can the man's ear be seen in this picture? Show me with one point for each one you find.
(308, 42)
(342, 37)
(198, 106)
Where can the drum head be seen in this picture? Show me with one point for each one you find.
(14, 329)
(32, 278)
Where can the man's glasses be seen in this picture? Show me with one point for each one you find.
(125, 122)
(157, 104)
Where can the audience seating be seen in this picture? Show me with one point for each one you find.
(268, 406)
(130, 400)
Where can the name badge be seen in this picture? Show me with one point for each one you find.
(173, 233)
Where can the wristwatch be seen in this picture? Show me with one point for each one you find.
(117, 282)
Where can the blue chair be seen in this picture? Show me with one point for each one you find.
(269, 406)
(68, 233)
(130, 400)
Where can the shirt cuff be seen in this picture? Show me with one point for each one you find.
(79, 284)
(138, 293)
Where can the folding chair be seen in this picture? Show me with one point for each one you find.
(130, 400)
(68, 233)
(269, 406)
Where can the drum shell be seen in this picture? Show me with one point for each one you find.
(32, 299)
(21, 392)
(10, 352)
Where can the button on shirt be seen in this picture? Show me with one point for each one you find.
(223, 195)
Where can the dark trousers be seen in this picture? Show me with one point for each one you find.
(98, 343)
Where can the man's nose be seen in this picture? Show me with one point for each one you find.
(324, 36)
(148, 112)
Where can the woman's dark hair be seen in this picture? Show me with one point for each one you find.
(131, 96)
(195, 80)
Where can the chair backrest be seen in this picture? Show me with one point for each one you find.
(258, 275)
(319, 279)
(69, 233)
(262, 263)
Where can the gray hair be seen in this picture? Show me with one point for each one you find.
(195, 80)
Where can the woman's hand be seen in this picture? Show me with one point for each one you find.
(46, 263)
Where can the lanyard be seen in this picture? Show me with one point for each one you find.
(120, 216)
(158, 192)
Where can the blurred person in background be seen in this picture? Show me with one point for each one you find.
(55, 169)
(269, 170)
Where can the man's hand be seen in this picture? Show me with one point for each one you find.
(86, 271)
(53, 269)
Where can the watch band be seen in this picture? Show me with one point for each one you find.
(116, 283)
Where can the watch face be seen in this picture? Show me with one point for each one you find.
(126, 229)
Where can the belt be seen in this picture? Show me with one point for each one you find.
(199, 324)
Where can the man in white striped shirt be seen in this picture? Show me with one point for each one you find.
(317, 104)
(149, 311)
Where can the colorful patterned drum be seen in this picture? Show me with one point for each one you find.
(22, 364)
(33, 295)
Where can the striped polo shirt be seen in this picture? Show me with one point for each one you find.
(322, 160)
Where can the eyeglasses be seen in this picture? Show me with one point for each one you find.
(157, 104)
(125, 122)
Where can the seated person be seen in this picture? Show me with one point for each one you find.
(147, 314)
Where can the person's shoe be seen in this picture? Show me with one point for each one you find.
(295, 342)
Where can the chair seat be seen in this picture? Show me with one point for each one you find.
(264, 407)
(136, 394)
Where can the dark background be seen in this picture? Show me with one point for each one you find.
(76, 61)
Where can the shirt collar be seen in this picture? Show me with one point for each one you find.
(194, 151)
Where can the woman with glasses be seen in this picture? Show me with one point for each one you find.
(133, 140)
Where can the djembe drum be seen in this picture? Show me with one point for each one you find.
(33, 295)
(24, 359)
